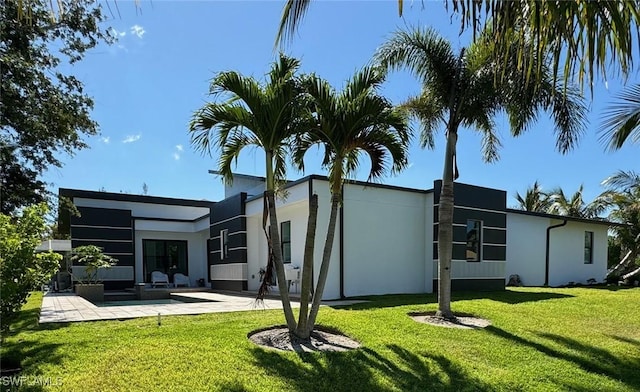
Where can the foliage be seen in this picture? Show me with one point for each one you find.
(21, 268)
(622, 119)
(44, 111)
(528, 347)
(575, 205)
(92, 258)
(459, 91)
(355, 122)
(534, 200)
(592, 38)
(267, 116)
(623, 199)
(614, 251)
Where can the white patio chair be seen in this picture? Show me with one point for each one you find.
(180, 280)
(159, 278)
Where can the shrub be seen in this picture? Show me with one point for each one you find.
(22, 269)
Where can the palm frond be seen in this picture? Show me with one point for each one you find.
(622, 120)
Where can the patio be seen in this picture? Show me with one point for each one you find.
(68, 307)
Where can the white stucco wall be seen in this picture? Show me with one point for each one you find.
(526, 250)
(567, 253)
(196, 252)
(385, 235)
(526, 237)
(294, 208)
(146, 210)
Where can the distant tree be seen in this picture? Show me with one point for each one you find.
(534, 200)
(622, 119)
(623, 200)
(45, 112)
(22, 269)
(145, 188)
(575, 205)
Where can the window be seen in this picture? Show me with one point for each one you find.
(588, 247)
(169, 257)
(285, 231)
(224, 244)
(474, 240)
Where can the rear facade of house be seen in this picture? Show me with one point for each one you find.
(386, 238)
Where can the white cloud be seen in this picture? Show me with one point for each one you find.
(131, 138)
(117, 33)
(137, 30)
(179, 147)
(176, 156)
(105, 139)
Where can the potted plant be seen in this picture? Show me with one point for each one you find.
(91, 257)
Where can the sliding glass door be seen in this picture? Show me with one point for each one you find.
(167, 256)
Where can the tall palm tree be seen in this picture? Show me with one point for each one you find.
(459, 90)
(264, 116)
(622, 119)
(575, 205)
(591, 37)
(356, 121)
(535, 199)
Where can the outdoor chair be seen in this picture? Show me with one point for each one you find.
(159, 278)
(180, 280)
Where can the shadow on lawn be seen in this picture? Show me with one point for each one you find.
(589, 358)
(367, 370)
(507, 296)
(25, 355)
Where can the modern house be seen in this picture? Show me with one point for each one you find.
(386, 238)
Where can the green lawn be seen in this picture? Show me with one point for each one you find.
(583, 339)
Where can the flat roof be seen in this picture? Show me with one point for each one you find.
(563, 217)
(71, 193)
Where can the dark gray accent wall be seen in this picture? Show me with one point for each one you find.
(228, 214)
(110, 229)
(475, 203)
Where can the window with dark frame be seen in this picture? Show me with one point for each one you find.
(588, 247)
(224, 244)
(474, 240)
(285, 232)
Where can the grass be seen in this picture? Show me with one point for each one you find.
(582, 339)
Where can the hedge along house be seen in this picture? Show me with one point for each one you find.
(386, 238)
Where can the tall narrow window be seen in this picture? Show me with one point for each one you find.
(474, 240)
(285, 231)
(224, 244)
(588, 247)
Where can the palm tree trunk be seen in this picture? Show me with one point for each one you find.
(326, 258)
(445, 229)
(274, 235)
(307, 268)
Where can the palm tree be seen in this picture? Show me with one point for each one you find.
(622, 119)
(592, 37)
(534, 200)
(357, 121)
(247, 117)
(459, 89)
(623, 197)
(575, 205)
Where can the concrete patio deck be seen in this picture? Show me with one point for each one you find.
(68, 307)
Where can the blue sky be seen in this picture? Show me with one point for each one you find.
(148, 84)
